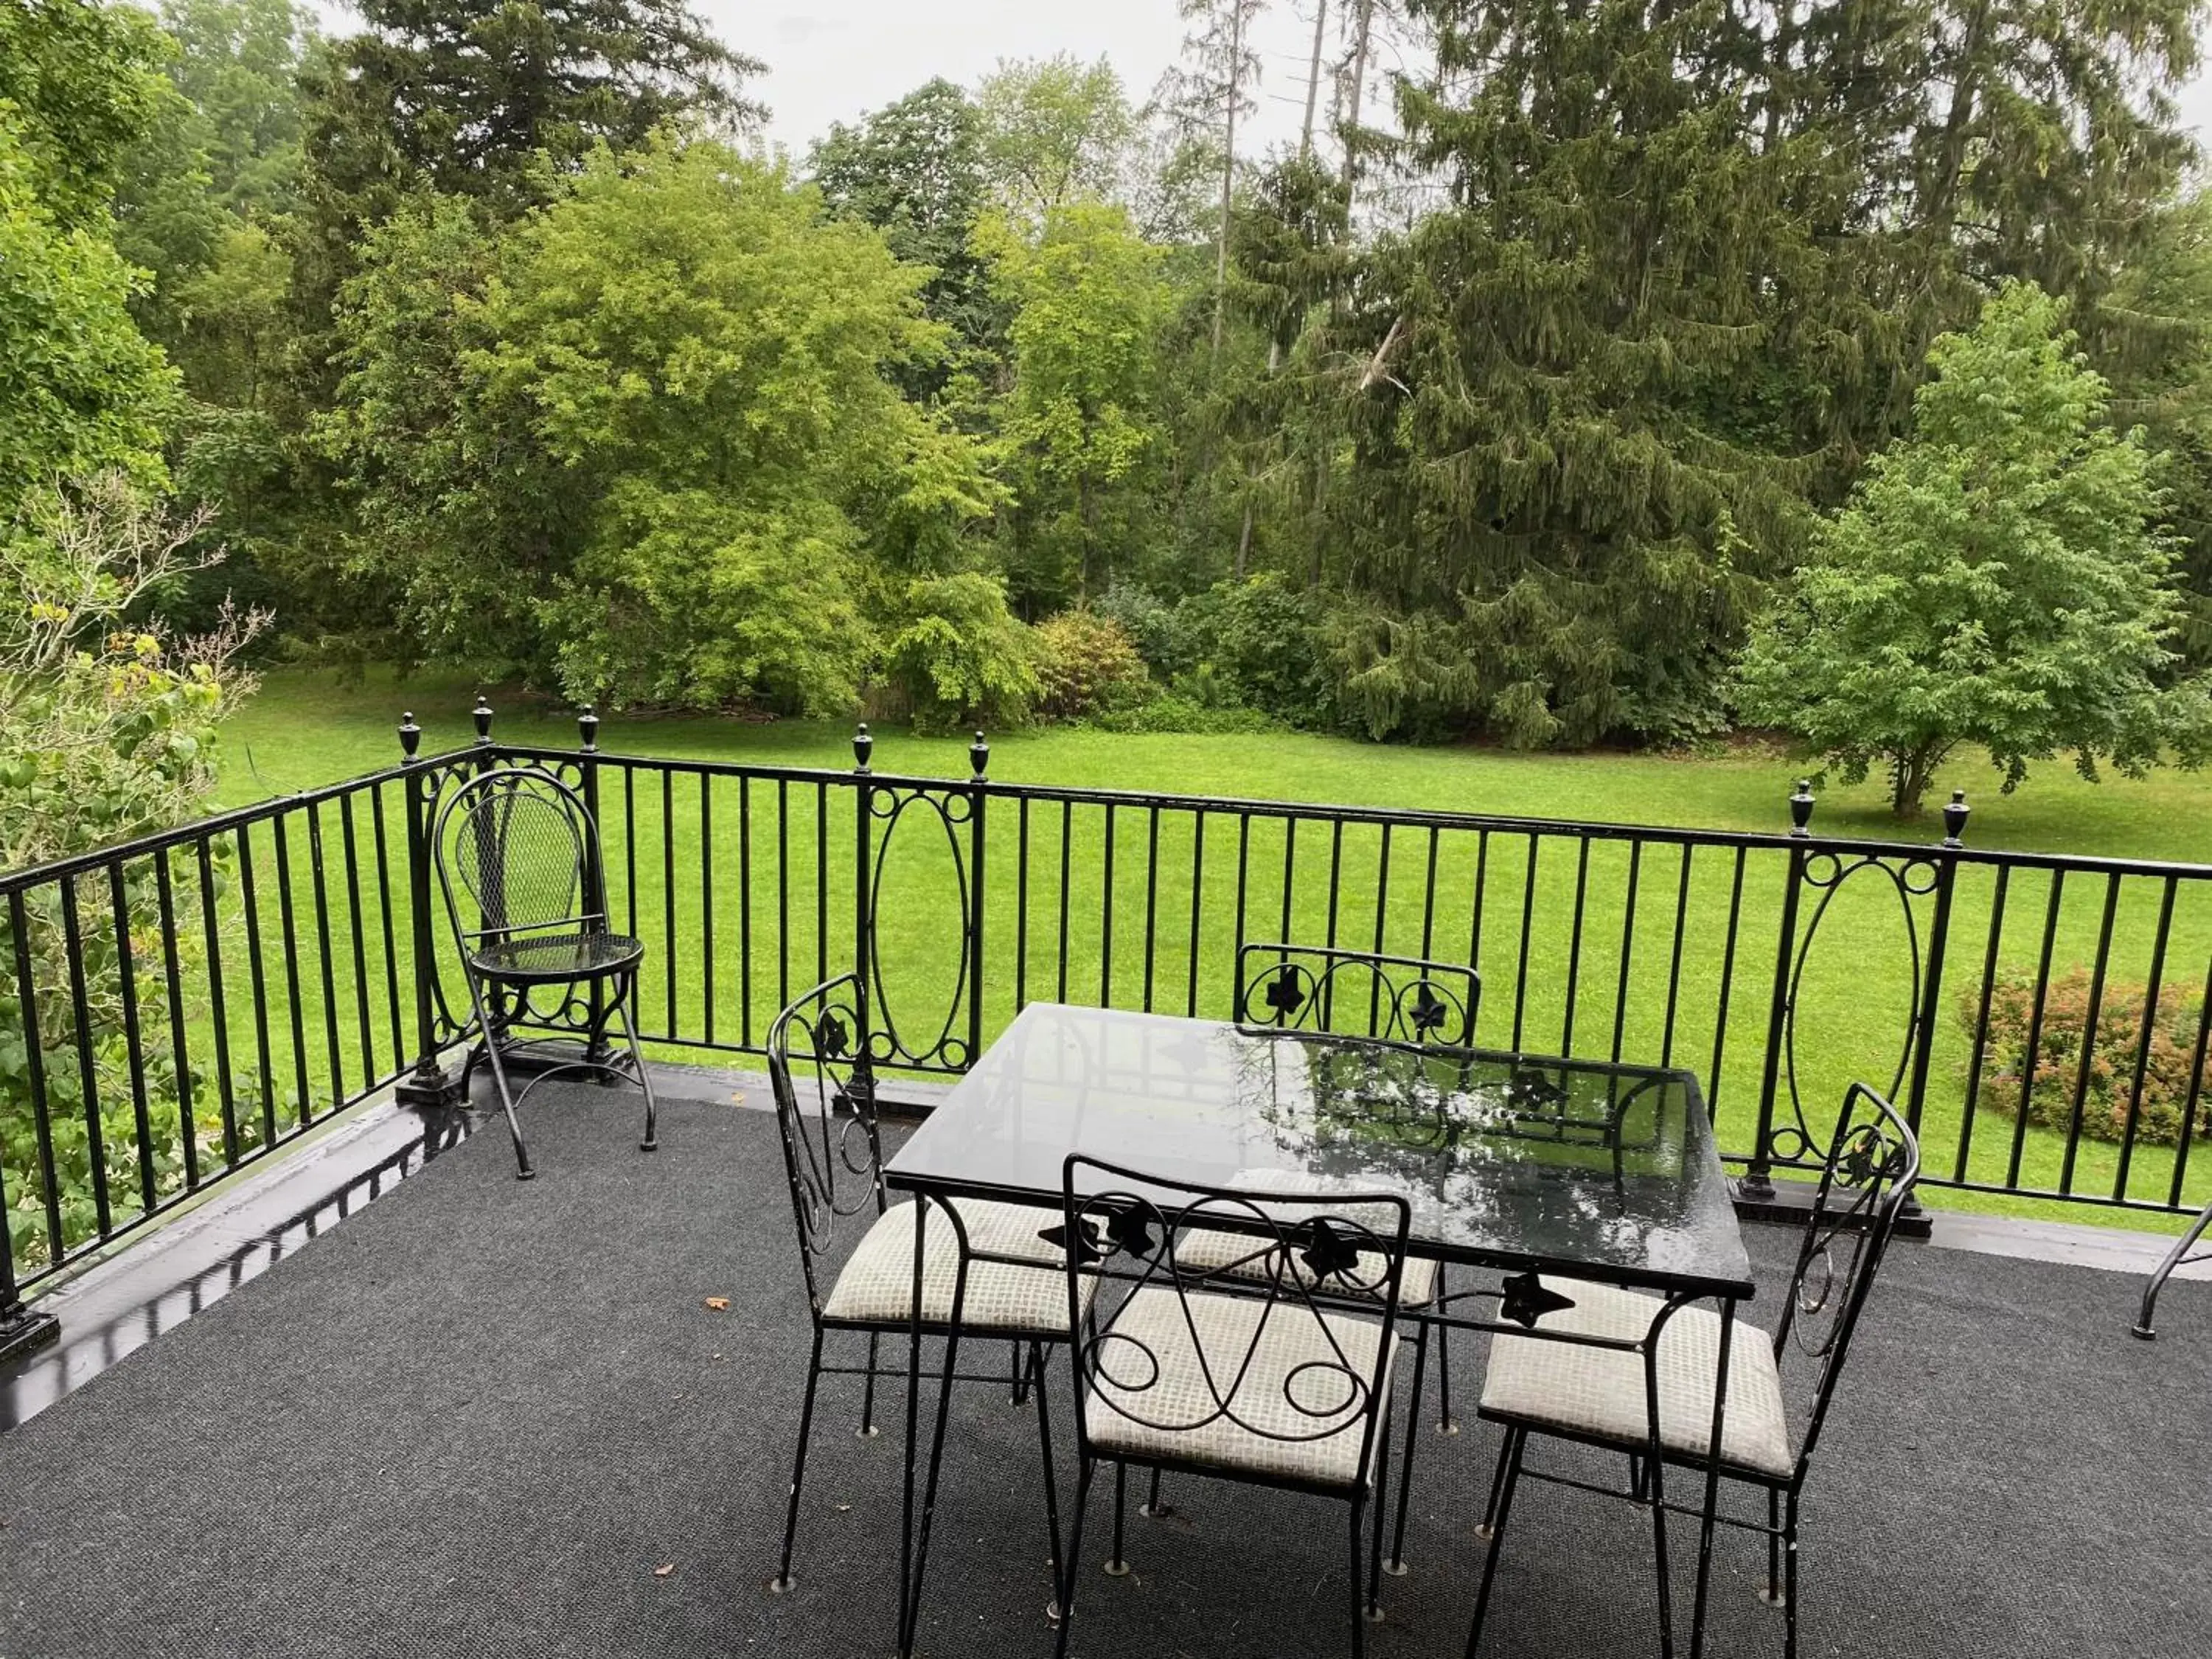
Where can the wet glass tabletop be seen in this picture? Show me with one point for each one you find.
(1514, 1161)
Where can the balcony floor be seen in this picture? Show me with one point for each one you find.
(481, 1416)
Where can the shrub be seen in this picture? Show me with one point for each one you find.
(1088, 666)
(959, 656)
(2120, 1036)
(1177, 711)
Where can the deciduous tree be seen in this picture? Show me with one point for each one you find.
(1994, 581)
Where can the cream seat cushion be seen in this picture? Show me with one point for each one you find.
(1147, 1368)
(1600, 1392)
(877, 1283)
(1243, 1255)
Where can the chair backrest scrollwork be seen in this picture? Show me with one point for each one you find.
(825, 1114)
(1873, 1164)
(1355, 993)
(520, 847)
(1319, 1254)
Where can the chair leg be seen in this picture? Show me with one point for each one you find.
(1773, 1593)
(1789, 1579)
(781, 1582)
(1359, 1614)
(867, 1430)
(1074, 1554)
(1446, 1423)
(1656, 1495)
(622, 1001)
(523, 1171)
(1035, 1375)
(1501, 1500)
(1016, 1374)
(1118, 1565)
(1151, 1508)
(1395, 1566)
(1381, 1501)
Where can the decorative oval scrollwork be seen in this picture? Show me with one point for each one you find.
(887, 1043)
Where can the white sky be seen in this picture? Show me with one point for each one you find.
(829, 60)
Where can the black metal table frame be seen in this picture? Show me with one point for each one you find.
(1521, 1306)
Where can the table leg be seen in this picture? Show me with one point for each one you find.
(1708, 1520)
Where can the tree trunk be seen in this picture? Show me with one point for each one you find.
(1228, 174)
(1362, 22)
(1313, 82)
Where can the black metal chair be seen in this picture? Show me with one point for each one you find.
(1358, 993)
(856, 1248)
(1210, 1370)
(1366, 996)
(526, 853)
(1650, 1393)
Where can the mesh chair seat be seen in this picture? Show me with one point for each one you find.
(1600, 1392)
(877, 1284)
(536, 958)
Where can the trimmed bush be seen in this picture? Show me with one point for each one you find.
(1089, 665)
(2119, 1037)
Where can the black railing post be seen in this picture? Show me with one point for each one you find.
(1945, 862)
(596, 1046)
(864, 745)
(21, 1329)
(979, 761)
(1758, 1182)
(427, 1088)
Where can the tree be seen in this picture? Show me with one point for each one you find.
(1590, 404)
(1080, 425)
(1209, 96)
(80, 390)
(1055, 131)
(1993, 580)
(644, 445)
(915, 170)
(80, 83)
(464, 98)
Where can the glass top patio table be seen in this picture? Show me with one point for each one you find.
(1593, 1171)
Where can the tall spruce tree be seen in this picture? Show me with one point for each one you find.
(1587, 418)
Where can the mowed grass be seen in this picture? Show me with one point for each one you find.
(744, 889)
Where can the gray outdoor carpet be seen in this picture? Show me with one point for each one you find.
(490, 1417)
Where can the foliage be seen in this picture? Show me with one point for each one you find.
(1078, 426)
(2168, 1063)
(1055, 131)
(1088, 664)
(81, 390)
(626, 447)
(960, 656)
(915, 170)
(108, 731)
(80, 83)
(1993, 580)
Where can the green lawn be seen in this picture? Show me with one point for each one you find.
(737, 932)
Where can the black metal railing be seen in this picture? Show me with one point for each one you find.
(191, 1001)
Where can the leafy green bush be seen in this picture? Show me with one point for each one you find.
(1177, 711)
(1088, 666)
(960, 657)
(2058, 1057)
(107, 733)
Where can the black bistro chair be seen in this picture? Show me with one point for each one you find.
(1409, 1001)
(1269, 1380)
(856, 1248)
(1652, 1396)
(518, 860)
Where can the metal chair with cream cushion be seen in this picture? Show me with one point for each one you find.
(1653, 1397)
(1271, 1380)
(833, 1153)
